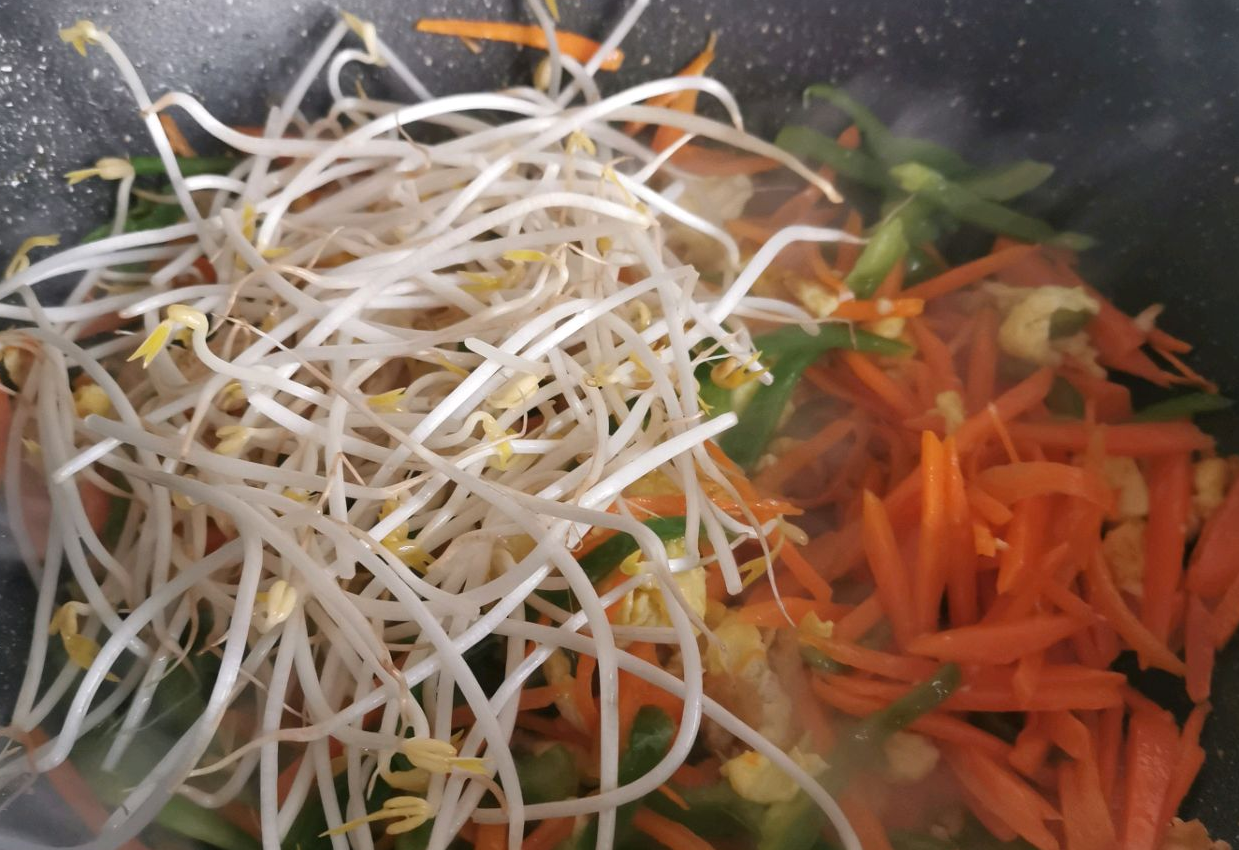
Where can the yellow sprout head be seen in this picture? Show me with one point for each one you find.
(108, 168)
(436, 756)
(21, 261)
(407, 814)
(179, 317)
(80, 34)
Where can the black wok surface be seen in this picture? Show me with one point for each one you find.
(1135, 101)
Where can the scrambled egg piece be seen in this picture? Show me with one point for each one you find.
(738, 675)
(715, 199)
(892, 327)
(1025, 331)
(951, 405)
(645, 606)
(1190, 835)
(1209, 481)
(754, 777)
(909, 757)
(558, 672)
(1125, 478)
(1123, 548)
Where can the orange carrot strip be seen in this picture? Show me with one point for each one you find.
(491, 836)
(668, 833)
(1137, 439)
(1161, 339)
(805, 573)
(577, 46)
(1198, 649)
(1111, 401)
(1226, 616)
(889, 574)
(1007, 796)
(695, 775)
(768, 614)
(982, 361)
(961, 276)
(882, 385)
(1170, 499)
(1106, 599)
(990, 509)
(1015, 401)
(695, 68)
(1068, 733)
(860, 620)
(667, 135)
(1191, 757)
(891, 666)
(879, 308)
(710, 162)
(1102, 689)
(549, 834)
(1024, 541)
(774, 477)
(936, 355)
(929, 580)
(176, 139)
(583, 691)
(892, 284)
(1087, 824)
(866, 824)
(1152, 750)
(1032, 747)
(1213, 565)
(1015, 481)
(961, 566)
(1189, 374)
(998, 643)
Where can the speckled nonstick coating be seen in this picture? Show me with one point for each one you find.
(1135, 101)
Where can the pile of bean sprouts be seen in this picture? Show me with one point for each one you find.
(421, 373)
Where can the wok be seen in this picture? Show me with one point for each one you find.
(1135, 101)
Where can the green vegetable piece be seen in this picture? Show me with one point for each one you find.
(790, 351)
(1183, 407)
(418, 839)
(714, 811)
(599, 563)
(1065, 400)
(1005, 182)
(1068, 322)
(549, 776)
(886, 247)
(794, 825)
(807, 143)
(311, 822)
(925, 182)
(648, 741)
(820, 661)
(189, 819)
(889, 148)
(145, 166)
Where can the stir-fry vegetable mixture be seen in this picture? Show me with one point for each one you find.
(506, 470)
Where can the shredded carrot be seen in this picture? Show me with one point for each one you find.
(579, 47)
(1213, 565)
(549, 834)
(1105, 597)
(1137, 439)
(968, 273)
(1191, 756)
(770, 613)
(583, 691)
(695, 68)
(1087, 824)
(1152, 750)
(774, 477)
(671, 794)
(668, 833)
(1005, 795)
(805, 573)
(1000, 643)
(491, 836)
(1016, 481)
(879, 308)
(1165, 540)
(1014, 402)
(860, 620)
(894, 585)
(866, 824)
(176, 139)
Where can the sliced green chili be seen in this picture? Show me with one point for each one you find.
(714, 811)
(807, 143)
(886, 247)
(969, 207)
(608, 555)
(1005, 182)
(790, 351)
(145, 166)
(549, 776)
(1183, 407)
(820, 661)
(887, 147)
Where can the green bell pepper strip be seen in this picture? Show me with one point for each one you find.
(789, 352)
(1005, 182)
(953, 198)
(145, 166)
(714, 811)
(807, 143)
(648, 741)
(887, 246)
(548, 776)
(819, 660)
(608, 555)
(887, 147)
(795, 825)
(193, 821)
(1183, 407)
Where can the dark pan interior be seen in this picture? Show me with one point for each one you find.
(1135, 101)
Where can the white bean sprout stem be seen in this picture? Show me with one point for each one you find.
(357, 412)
